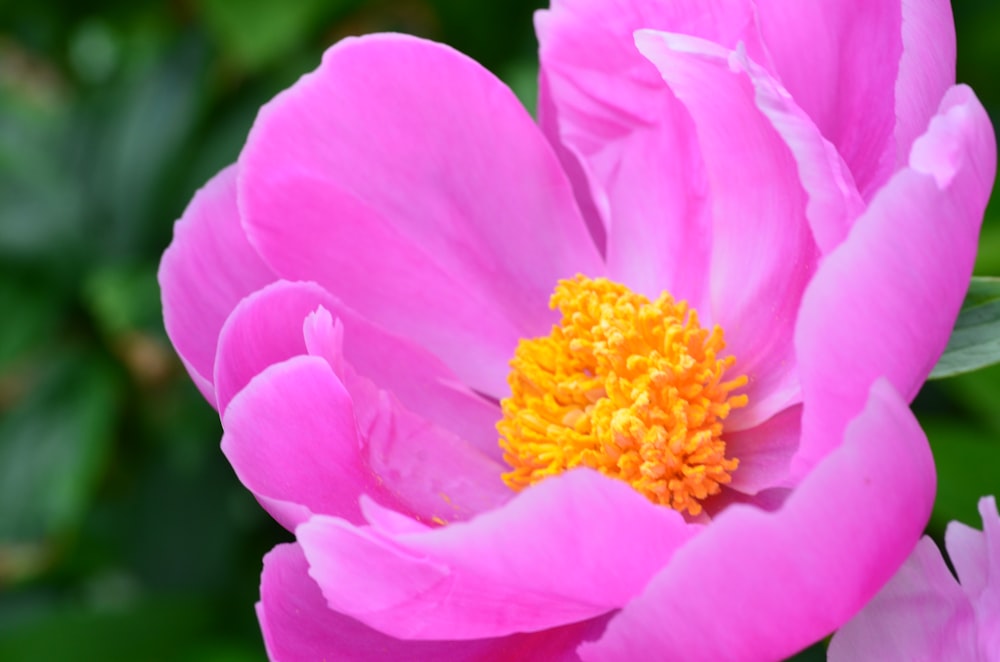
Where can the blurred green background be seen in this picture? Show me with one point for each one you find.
(124, 535)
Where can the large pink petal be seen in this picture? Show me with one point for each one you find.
(823, 52)
(921, 614)
(763, 253)
(411, 183)
(926, 70)
(298, 626)
(267, 328)
(885, 301)
(517, 568)
(290, 436)
(626, 136)
(758, 585)
(207, 269)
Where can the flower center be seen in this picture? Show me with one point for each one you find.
(630, 387)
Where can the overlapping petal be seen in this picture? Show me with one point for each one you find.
(207, 269)
(270, 326)
(428, 243)
(823, 52)
(780, 581)
(299, 627)
(519, 568)
(758, 209)
(923, 613)
(884, 303)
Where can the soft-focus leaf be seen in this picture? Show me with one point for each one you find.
(975, 340)
(30, 315)
(522, 78)
(154, 631)
(53, 448)
(967, 462)
(257, 32)
(123, 299)
(40, 203)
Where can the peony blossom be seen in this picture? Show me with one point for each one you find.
(629, 382)
(923, 613)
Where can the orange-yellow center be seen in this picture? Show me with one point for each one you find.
(630, 387)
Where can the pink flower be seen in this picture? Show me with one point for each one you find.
(364, 297)
(923, 613)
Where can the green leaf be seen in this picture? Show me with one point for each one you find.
(975, 340)
(259, 32)
(966, 461)
(53, 447)
(33, 316)
(157, 629)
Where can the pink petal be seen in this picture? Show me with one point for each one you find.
(926, 70)
(298, 626)
(763, 585)
(823, 52)
(625, 136)
(763, 252)
(885, 301)
(967, 551)
(517, 568)
(207, 269)
(408, 181)
(765, 451)
(435, 473)
(290, 436)
(267, 328)
(921, 614)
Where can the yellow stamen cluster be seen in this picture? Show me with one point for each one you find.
(626, 386)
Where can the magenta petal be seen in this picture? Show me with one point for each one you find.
(976, 557)
(885, 301)
(765, 451)
(823, 53)
(207, 269)
(921, 614)
(268, 327)
(967, 551)
(299, 627)
(627, 139)
(517, 568)
(759, 585)
(758, 211)
(438, 475)
(926, 70)
(411, 183)
(291, 438)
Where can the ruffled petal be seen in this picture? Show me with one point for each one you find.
(628, 139)
(290, 436)
(763, 585)
(885, 301)
(207, 269)
(763, 253)
(411, 183)
(765, 451)
(515, 569)
(921, 614)
(269, 327)
(823, 54)
(967, 551)
(926, 70)
(438, 475)
(298, 626)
